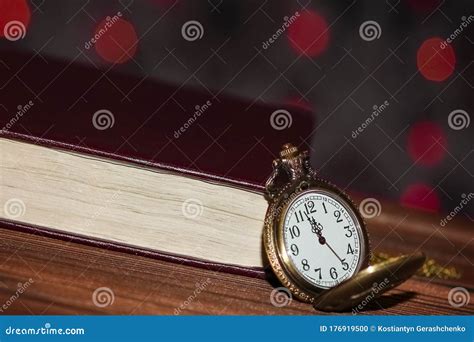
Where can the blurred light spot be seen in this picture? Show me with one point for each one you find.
(421, 196)
(118, 41)
(426, 143)
(309, 34)
(13, 10)
(436, 59)
(299, 102)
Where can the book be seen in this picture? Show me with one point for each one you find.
(174, 173)
(131, 164)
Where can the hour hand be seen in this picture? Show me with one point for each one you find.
(317, 229)
(315, 226)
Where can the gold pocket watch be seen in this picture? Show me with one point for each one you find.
(316, 241)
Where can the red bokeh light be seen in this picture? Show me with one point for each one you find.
(299, 102)
(421, 196)
(436, 59)
(427, 143)
(13, 10)
(309, 34)
(119, 42)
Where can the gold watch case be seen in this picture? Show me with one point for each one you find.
(293, 177)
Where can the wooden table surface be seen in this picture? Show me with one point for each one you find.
(64, 277)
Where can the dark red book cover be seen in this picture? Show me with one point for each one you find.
(103, 113)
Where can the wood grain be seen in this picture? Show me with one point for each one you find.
(399, 230)
(65, 275)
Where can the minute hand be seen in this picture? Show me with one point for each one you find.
(332, 250)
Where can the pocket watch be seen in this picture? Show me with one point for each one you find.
(316, 240)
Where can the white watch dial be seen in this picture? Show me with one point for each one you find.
(322, 238)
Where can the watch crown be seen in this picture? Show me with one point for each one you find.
(288, 150)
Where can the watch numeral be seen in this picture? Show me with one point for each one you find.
(349, 249)
(333, 273)
(299, 216)
(319, 272)
(324, 207)
(348, 231)
(337, 215)
(345, 265)
(305, 264)
(309, 206)
(294, 232)
(294, 250)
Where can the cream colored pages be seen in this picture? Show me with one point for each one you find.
(122, 203)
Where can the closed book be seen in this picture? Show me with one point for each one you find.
(107, 159)
(99, 157)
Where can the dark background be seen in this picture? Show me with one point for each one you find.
(408, 153)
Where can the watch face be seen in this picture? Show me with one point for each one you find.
(322, 238)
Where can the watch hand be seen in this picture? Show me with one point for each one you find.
(332, 250)
(317, 228)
